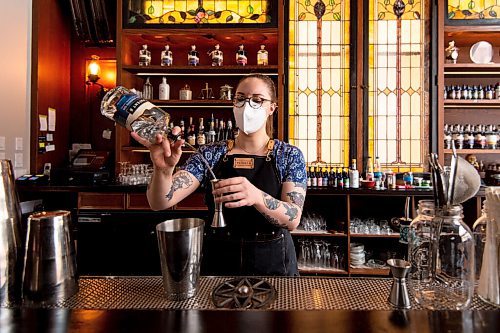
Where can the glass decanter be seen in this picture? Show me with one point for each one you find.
(441, 251)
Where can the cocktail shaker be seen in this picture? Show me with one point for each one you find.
(49, 273)
(10, 237)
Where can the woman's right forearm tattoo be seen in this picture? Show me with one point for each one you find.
(179, 181)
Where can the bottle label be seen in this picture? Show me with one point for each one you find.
(129, 108)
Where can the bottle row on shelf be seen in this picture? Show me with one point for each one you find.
(472, 136)
(185, 93)
(198, 135)
(193, 56)
(474, 92)
(374, 177)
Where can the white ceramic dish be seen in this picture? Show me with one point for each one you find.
(481, 53)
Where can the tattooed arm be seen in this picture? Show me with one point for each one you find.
(286, 212)
(165, 190)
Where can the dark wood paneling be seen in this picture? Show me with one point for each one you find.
(137, 201)
(87, 123)
(51, 57)
(94, 200)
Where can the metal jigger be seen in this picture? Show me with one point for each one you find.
(218, 221)
(399, 292)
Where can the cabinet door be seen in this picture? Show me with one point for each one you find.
(137, 201)
(93, 200)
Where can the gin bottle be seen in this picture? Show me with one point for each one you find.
(144, 56)
(167, 57)
(134, 113)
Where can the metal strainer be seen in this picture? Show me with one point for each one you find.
(467, 182)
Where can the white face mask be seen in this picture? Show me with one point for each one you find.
(248, 119)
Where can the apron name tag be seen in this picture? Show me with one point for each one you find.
(243, 163)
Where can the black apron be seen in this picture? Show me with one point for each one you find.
(249, 244)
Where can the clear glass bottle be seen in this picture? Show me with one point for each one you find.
(147, 90)
(479, 232)
(441, 251)
(144, 56)
(134, 113)
(167, 58)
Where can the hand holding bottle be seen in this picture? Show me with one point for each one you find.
(165, 154)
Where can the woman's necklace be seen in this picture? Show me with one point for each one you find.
(252, 153)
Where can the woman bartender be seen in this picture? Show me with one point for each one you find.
(262, 187)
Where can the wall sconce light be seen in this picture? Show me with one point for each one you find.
(94, 69)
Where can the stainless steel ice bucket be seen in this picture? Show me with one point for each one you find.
(49, 273)
(10, 237)
(180, 243)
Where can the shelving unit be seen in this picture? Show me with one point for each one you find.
(338, 207)
(473, 151)
(465, 71)
(180, 37)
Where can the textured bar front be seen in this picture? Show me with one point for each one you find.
(303, 293)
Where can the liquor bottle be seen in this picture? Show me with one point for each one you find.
(134, 113)
(211, 133)
(481, 92)
(220, 131)
(167, 58)
(147, 90)
(314, 179)
(200, 138)
(144, 56)
(334, 178)
(230, 133)
(319, 177)
(164, 90)
(262, 56)
(217, 56)
(377, 173)
(325, 177)
(354, 175)
(309, 177)
(369, 169)
(193, 56)
(345, 175)
(340, 179)
(191, 138)
(241, 55)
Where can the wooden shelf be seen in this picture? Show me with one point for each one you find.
(473, 151)
(369, 271)
(472, 28)
(394, 235)
(226, 70)
(471, 69)
(318, 233)
(467, 103)
(329, 271)
(204, 31)
(199, 103)
(145, 150)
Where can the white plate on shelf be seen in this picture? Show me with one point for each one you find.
(481, 53)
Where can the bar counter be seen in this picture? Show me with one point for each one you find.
(305, 304)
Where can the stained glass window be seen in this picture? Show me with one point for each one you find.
(473, 9)
(398, 105)
(198, 11)
(319, 80)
